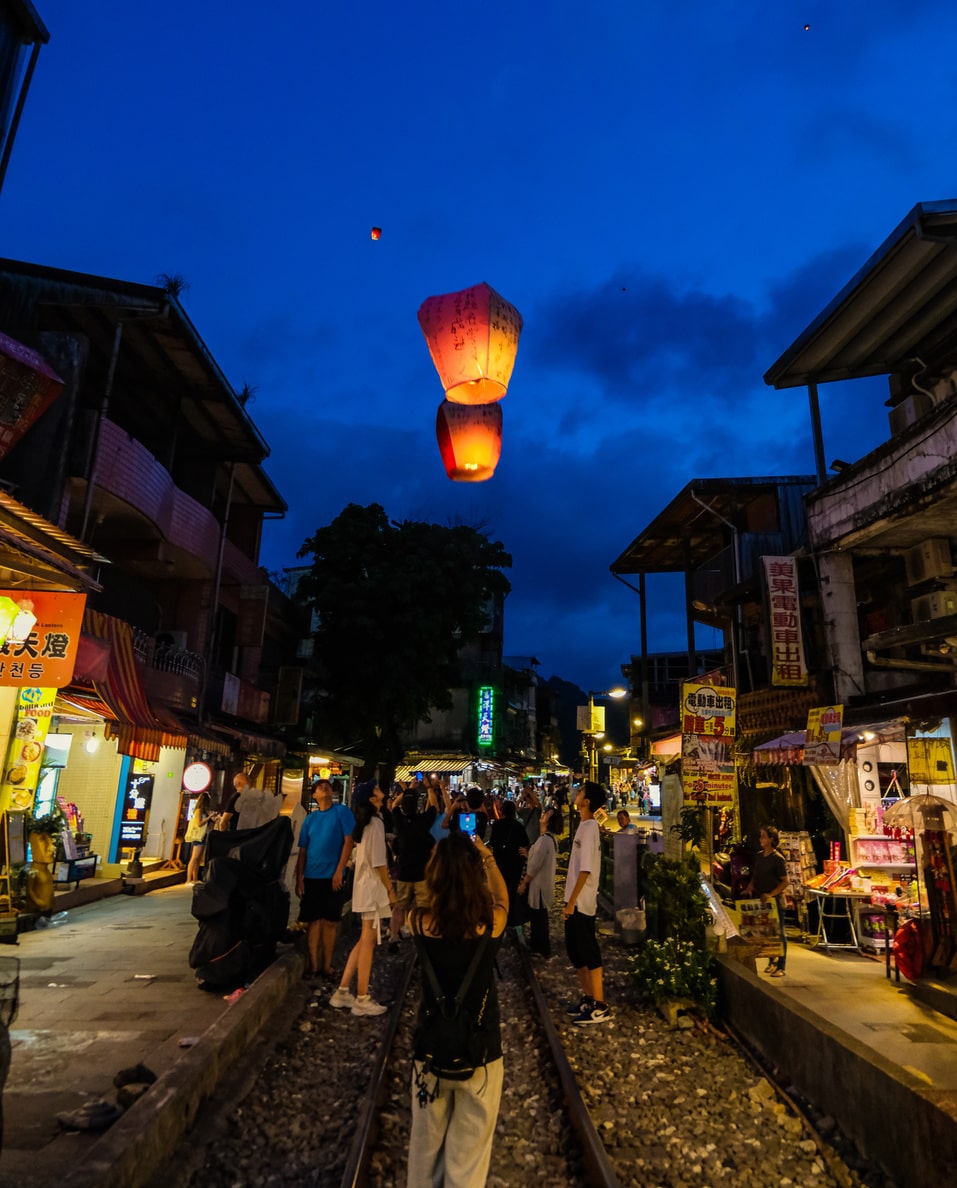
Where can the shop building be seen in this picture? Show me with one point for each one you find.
(152, 465)
(864, 559)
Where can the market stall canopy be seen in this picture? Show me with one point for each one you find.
(33, 546)
(787, 750)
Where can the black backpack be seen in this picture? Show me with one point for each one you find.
(450, 1035)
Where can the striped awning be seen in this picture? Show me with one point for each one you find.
(134, 726)
(447, 765)
(195, 736)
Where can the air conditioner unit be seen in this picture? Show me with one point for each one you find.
(171, 639)
(930, 559)
(936, 605)
(911, 409)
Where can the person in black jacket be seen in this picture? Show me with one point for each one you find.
(508, 842)
(413, 844)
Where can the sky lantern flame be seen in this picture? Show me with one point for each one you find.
(472, 337)
(470, 440)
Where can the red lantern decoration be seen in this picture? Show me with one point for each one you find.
(473, 339)
(376, 232)
(470, 440)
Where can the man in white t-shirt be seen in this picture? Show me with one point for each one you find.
(581, 906)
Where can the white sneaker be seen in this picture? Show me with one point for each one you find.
(343, 997)
(368, 1006)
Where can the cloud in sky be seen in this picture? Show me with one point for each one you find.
(668, 193)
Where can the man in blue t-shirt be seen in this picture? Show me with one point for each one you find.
(325, 843)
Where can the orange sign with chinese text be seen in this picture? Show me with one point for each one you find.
(40, 648)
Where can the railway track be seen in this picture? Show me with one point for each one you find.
(328, 1103)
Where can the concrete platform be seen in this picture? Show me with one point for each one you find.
(862, 1048)
(108, 989)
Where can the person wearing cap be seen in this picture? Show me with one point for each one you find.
(581, 906)
(373, 898)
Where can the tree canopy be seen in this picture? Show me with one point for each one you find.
(396, 603)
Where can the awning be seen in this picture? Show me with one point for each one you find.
(194, 736)
(434, 764)
(135, 728)
(251, 744)
(84, 701)
(787, 750)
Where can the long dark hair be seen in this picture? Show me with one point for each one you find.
(459, 899)
(364, 815)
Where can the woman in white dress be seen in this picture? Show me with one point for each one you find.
(373, 898)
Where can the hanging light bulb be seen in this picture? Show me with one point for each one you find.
(90, 742)
(472, 337)
(470, 440)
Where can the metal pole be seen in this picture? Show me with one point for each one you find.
(816, 433)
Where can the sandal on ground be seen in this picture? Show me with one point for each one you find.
(778, 973)
(771, 966)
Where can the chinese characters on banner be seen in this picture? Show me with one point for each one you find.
(40, 648)
(822, 742)
(930, 761)
(21, 768)
(784, 603)
(486, 716)
(707, 744)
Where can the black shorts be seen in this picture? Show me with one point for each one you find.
(581, 944)
(320, 902)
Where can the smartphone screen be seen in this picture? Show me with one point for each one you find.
(467, 823)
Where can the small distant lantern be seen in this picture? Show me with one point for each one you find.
(376, 232)
(473, 339)
(470, 440)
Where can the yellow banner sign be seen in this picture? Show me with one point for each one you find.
(822, 744)
(21, 771)
(930, 761)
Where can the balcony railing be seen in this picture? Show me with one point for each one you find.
(164, 657)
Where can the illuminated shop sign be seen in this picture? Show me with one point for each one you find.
(486, 715)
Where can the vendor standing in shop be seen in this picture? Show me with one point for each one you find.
(769, 880)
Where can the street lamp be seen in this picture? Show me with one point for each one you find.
(593, 734)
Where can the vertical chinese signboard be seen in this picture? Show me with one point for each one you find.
(707, 744)
(486, 716)
(40, 647)
(788, 667)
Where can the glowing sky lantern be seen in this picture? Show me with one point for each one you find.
(473, 338)
(470, 440)
(376, 232)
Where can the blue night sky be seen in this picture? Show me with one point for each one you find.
(667, 192)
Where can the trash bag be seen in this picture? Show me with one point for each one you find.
(242, 906)
(908, 950)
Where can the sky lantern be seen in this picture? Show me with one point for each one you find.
(472, 337)
(376, 232)
(470, 440)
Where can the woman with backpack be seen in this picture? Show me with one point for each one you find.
(455, 1097)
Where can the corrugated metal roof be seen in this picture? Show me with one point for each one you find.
(684, 535)
(902, 304)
